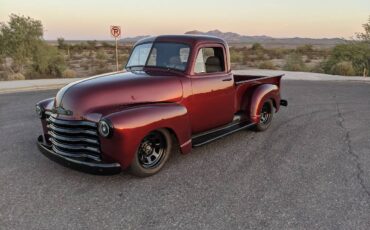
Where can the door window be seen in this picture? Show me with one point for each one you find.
(210, 60)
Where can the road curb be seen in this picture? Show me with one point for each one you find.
(49, 84)
(31, 88)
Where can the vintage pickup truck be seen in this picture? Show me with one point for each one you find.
(176, 90)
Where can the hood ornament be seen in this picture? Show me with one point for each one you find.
(62, 111)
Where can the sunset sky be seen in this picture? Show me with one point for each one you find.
(90, 19)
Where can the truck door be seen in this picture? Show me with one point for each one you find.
(212, 100)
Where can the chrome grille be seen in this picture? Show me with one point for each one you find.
(72, 138)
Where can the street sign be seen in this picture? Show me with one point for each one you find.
(115, 31)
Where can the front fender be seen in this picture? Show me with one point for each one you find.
(131, 125)
(260, 95)
(46, 104)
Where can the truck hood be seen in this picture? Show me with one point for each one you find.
(112, 92)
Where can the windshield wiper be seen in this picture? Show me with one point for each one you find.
(168, 69)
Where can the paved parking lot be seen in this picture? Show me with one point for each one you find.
(310, 170)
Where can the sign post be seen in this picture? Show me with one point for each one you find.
(115, 31)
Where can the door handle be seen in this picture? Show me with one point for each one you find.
(227, 79)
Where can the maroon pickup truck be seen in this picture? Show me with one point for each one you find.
(174, 91)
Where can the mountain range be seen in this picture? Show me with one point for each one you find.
(232, 37)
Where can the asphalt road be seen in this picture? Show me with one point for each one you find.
(310, 170)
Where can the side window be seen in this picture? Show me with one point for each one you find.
(210, 60)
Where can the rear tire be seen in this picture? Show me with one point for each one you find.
(266, 115)
(152, 153)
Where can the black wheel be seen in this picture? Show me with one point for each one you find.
(152, 153)
(266, 115)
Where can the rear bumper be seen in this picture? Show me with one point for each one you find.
(83, 166)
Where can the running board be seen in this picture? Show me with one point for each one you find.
(212, 135)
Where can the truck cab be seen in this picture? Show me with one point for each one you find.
(175, 89)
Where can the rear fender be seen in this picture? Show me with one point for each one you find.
(130, 126)
(259, 96)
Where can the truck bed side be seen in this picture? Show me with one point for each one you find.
(245, 86)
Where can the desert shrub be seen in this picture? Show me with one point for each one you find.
(305, 49)
(16, 76)
(3, 76)
(102, 70)
(257, 46)
(106, 44)
(69, 73)
(91, 44)
(101, 55)
(344, 68)
(261, 55)
(62, 44)
(19, 38)
(294, 62)
(236, 56)
(79, 47)
(122, 59)
(48, 61)
(85, 65)
(365, 36)
(100, 63)
(266, 65)
(318, 68)
(277, 53)
(356, 53)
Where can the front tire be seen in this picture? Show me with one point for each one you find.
(266, 115)
(153, 152)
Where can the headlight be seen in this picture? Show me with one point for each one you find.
(105, 128)
(39, 112)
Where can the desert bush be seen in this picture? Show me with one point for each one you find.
(79, 47)
(69, 73)
(276, 53)
(101, 55)
(100, 64)
(48, 61)
(102, 70)
(294, 62)
(122, 59)
(266, 65)
(318, 68)
(106, 44)
(351, 57)
(3, 76)
(305, 49)
(85, 65)
(236, 56)
(356, 53)
(91, 44)
(62, 44)
(16, 76)
(19, 38)
(257, 46)
(344, 68)
(365, 36)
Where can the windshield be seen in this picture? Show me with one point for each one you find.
(159, 54)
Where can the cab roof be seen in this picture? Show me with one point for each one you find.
(185, 38)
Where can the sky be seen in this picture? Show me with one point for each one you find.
(91, 19)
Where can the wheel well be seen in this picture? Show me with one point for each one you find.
(273, 103)
(173, 135)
